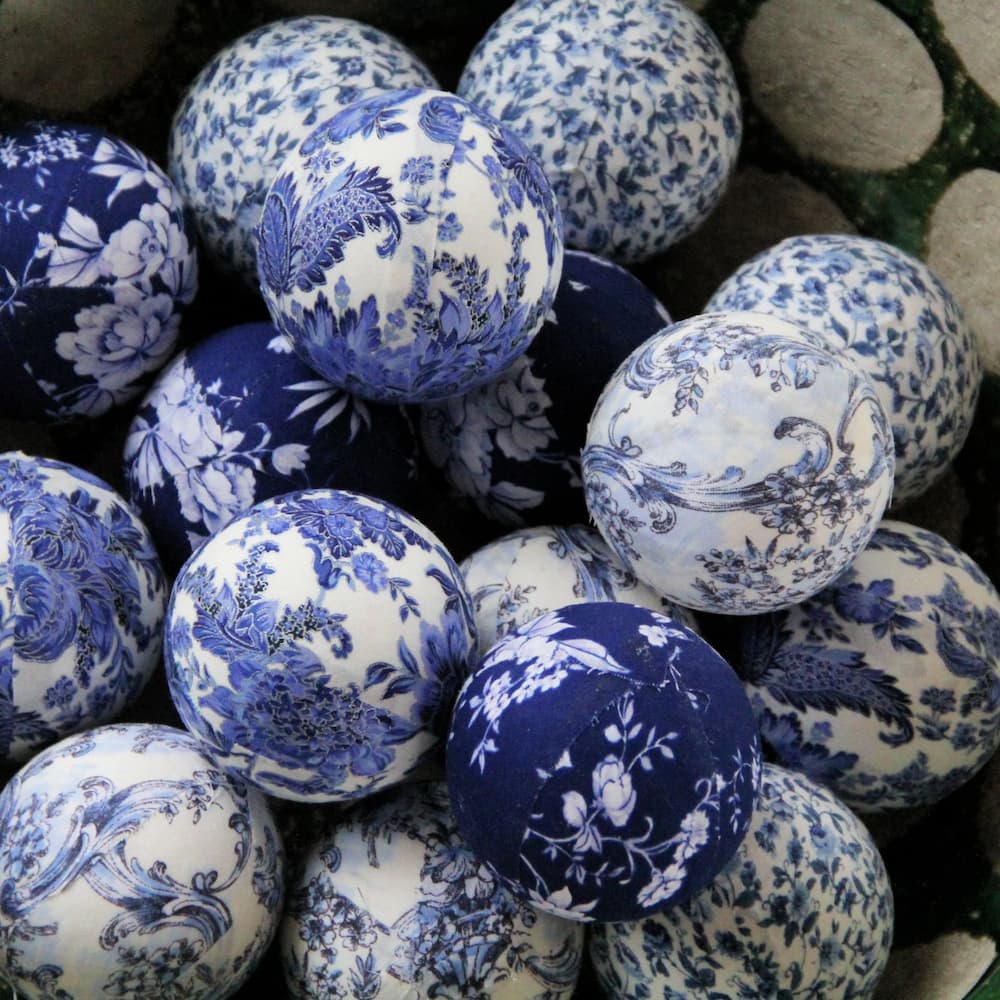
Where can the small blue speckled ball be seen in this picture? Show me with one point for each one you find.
(603, 761)
(96, 268)
(410, 247)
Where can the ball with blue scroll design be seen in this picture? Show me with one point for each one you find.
(390, 897)
(736, 463)
(316, 643)
(806, 900)
(603, 761)
(238, 418)
(96, 268)
(886, 684)
(255, 101)
(134, 866)
(410, 247)
(632, 108)
(82, 604)
(512, 446)
(893, 315)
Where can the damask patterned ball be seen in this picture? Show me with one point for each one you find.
(603, 761)
(95, 271)
(134, 867)
(391, 899)
(885, 685)
(535, 570)
(316, 642)
(256, 100)
(632, 109)
(805, 900)
(513, 445)
(736, 464)
(892, 314)
(82, 604)
(410, 247)
(238, 418)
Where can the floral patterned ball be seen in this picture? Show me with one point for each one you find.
(316, 642)
(632, 109)
(95, 270)
(886, 684)
(891, 314)
(391, 898)
(805, 900)
(238, 418)
(603, 761)
(410, 247)
(255, 102)
(535, 570)
(82, 604)
(736, 464)
(134, 867)
(513, 445)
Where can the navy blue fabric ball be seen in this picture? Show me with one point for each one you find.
(603, 761)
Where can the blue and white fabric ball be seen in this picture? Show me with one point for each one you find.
(805, 900)
(316, 642)
(603, 761)
(391, 899)
(133, 866)
(536, 570)
(513, 445)
(895, 318)
(410, 247)
(885, 685)
(239, 418)
(82, 603)
(736, 464)
(632, 108)
(95, 270)
(255, 101)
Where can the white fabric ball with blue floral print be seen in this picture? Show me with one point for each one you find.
(603, 761)
(96, 267)
(410, 247)
(736, 464)
(632, 108)
(134, 866)
(255, 101)
(895, 318)
(316, 642)
(806, 900)
(390, 897)
(886, 684)
(82, 604)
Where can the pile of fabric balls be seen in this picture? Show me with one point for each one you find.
(430, 555)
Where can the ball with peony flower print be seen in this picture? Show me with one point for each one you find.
(603, 761)
(410, 247)
(96, 268)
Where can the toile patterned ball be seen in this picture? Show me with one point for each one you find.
(390, 897)
(82, 604)
(134, 866)
(238, 418)
(95, 271)
(892, 314)
(316, 643)
(736, 464)
(410, 247)
(255, 101)
(806, 899)
(513, 445)
(886, 684)
(535, 570)
(603, 761)
(632, 109)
